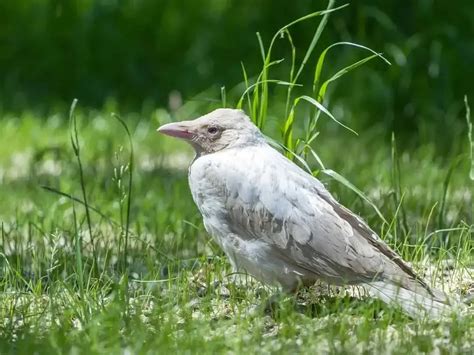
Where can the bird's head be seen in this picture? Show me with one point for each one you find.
(218, 130)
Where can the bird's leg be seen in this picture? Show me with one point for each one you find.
(277, 300)
(273, 304)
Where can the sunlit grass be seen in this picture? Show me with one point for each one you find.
(179, 294)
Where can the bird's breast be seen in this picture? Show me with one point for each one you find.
(204, 180)
(217, 176)
(219, 182)
(208, 189)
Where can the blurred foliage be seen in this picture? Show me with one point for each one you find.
(136, 50)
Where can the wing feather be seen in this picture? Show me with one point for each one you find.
(294, 213)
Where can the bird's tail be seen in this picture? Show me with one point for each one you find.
(414, 300)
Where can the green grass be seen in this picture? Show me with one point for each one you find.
(176, 293)
(103, 251)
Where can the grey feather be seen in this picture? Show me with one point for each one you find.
(279, 223)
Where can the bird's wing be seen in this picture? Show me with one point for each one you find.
(364, 231)
(270, 198)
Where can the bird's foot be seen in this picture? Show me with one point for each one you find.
(277, 303)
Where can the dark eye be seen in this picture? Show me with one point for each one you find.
(212, 130)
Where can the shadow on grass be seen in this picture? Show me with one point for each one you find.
(320, 306)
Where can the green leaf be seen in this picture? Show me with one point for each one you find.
(343, 71)
(323, 109)
(322, 57)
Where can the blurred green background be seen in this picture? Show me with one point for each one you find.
(144, 51)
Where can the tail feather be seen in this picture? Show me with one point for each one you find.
(413, 302)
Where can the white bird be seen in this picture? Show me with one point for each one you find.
(280, 224)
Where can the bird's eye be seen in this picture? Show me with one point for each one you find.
(212, 130)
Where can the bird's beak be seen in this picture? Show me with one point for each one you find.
(181, 130)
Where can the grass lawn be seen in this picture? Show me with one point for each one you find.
(78, 282)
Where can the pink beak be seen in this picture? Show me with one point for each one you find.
(177, 129)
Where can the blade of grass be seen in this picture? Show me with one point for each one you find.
(78, 253)
(130, 185)
(264, 74)
(78, 200)
(292, 70)
(77, 152)
(309, 51)
(471, 153)
(469, 136)
(246, 81)
(255, 101)
(223, 97)
(278, 82)
(322, 90)
(341, 179)
(281, 146)
(323, 109)
(322, 57)
(446, 183)
(397, 185)
(289, 122)
(342, 72)
(317, 35)
(316, 157)
(264, 90)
